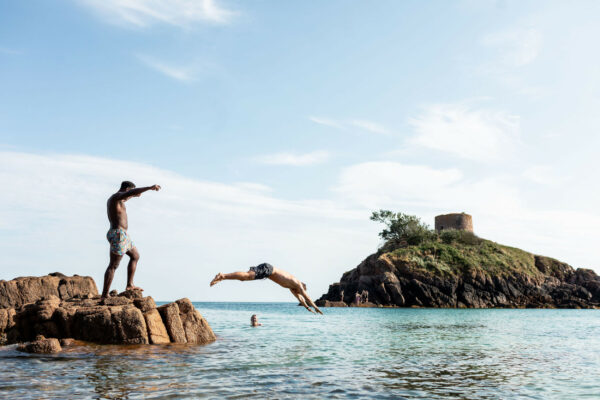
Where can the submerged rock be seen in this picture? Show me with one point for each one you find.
(41, 346)
(128, 318)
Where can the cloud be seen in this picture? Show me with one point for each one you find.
(385, 183)
(542, 174)
(54, 218)
(370, 126)
(362, 124)
(516, 47)
(144, 13)
(474, 134)
(499, 207)
(298, 160)
(327, 122)
(182, 74)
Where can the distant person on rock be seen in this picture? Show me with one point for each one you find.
(254, 321)
(279, 276)
(117, 236)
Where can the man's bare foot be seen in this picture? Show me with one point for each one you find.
(218, 278)
(131, 287)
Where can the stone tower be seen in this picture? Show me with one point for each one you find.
(461, 222)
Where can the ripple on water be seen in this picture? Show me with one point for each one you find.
(348, 353)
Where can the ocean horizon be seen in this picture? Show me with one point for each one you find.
(347, 353)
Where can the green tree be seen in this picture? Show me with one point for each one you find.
(402, 228)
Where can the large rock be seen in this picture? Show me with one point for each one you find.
(170, 316)
(20, 291)
(195, 326)
(128, 318)
(130, 325)
(157, 332)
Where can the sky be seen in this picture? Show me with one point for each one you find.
(276, 128)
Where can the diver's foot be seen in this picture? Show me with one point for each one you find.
(131, 287)
(218, 278)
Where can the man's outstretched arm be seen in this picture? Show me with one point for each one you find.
(137, 191)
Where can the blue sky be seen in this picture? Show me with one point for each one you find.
(276, 127)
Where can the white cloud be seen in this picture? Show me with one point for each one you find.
(298, 160)
(370, 126)
(183, 74)
(143, 13)
(54, 218)
(474, 134)
(497, 204)
(385, 183)
(362, 124)
(516, 47)
(542, 174)
(327, 122)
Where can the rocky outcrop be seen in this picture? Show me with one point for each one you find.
(127, 318)
(20, 291)
(395, 281)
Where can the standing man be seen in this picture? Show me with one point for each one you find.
(120, 242)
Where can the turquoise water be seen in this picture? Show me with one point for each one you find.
(347, 353)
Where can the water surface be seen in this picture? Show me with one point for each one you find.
(347, 353)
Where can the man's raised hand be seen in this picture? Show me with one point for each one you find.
(155, 187)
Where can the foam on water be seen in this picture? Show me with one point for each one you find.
(347, 353)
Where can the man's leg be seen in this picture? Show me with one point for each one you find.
(134, 256)
(115, 259)
(239, 276)
(308, 299)
(301, 300)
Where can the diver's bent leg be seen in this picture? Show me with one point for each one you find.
(309, 300)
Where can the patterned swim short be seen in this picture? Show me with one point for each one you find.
(120, 242)
(262, 271)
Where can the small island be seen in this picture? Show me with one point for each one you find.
(450, 267)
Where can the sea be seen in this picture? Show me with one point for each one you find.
(348, 353)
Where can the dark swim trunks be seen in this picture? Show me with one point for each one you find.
(262, 271)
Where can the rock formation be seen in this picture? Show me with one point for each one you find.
(474, 274)
(59, 307)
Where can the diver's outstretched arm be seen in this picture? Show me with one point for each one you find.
(238, 276)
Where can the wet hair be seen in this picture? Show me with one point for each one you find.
(126, 185)
(253, 317)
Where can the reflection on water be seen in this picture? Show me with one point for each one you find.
(348, 353)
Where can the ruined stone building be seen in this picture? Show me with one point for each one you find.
(461, 222)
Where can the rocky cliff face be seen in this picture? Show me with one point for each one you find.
(479, 275)
(56, 306)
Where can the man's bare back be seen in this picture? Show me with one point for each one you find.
(279, 276)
